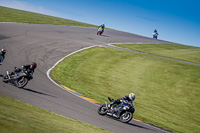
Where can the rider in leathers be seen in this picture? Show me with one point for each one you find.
(155, 34)
(102, 26)
(29, 68)
(130, 98)
(2, 56)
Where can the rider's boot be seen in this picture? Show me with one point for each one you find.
(7, 73)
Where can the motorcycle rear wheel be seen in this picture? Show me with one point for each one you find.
(126, 117)
(22, 82)
(102, 110)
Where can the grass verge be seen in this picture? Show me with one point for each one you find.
(19, 16)
(176, 51)
(19, 117)
(167, 92)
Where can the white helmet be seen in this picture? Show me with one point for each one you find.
(131, 96)
(3, 51)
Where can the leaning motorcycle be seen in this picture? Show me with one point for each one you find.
(100, 31)
(19, 79)
(155, 35)
(123, 111)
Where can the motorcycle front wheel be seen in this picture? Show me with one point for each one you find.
(102, 110)
(5, 79)
(22, 82)
(126, 117)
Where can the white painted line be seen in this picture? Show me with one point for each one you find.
(48, 72)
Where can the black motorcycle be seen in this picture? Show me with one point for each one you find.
(123, 111)
(19, 79)
(155, 35)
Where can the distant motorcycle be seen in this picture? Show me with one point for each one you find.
(155, 35)
(123, 111)
(100, 31)
(19, 79)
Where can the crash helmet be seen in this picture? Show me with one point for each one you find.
(33, 65)
(131, 96)
(3, 51)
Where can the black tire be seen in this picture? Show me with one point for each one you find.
(102, 110)
(22, 82)
(98, 33)
(5, 79)
(126, 117)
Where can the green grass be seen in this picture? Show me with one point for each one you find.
(19, 16)
(19, 117)
(167, 91)
(176, 51)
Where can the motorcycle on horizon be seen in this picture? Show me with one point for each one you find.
(123, 111)
(155, 35)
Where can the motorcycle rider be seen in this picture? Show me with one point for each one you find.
(130, 98)
(2, 56)
(155, 34)
(29, 68)
(102, 27)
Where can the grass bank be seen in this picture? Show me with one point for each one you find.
(176, 51)
(167, 92)
(19, 16)
(19, 117)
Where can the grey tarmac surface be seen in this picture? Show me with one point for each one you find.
(46, 44)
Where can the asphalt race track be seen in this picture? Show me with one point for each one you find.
(46, 44)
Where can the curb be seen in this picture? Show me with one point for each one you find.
(66, 88)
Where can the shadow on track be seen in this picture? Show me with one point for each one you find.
(104, 36)
(37, 92)
(131, 124)
(30, 90)
(3, 37)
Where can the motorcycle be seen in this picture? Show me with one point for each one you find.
(100, 31)
(124, 111)
(19, 79)
(155, 35)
